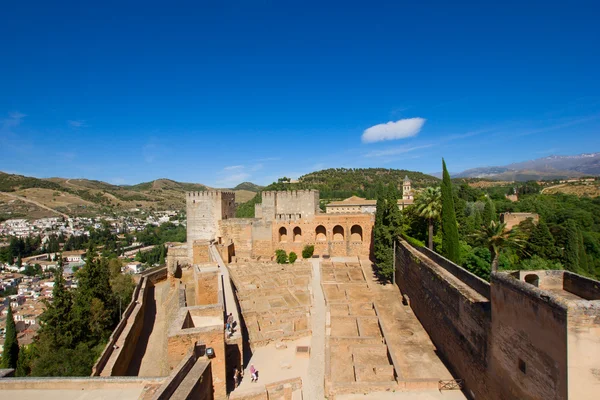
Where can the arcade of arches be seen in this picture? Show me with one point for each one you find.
(340, 235)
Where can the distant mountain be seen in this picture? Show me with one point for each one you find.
(551, 167)
(31, 197)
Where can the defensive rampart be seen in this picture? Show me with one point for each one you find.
(456, 317)
(121, 345)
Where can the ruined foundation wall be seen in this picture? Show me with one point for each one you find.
(457, 318)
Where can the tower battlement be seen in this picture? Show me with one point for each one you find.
(210, 193)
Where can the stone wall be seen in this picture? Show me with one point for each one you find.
(583, 330)
(513, 219)
(192, 379)
(288, 205)
(239, 230)
(200, 252)
(207, 284)
(529, 346)
(177, 257)
(456, 317)
(334, 235)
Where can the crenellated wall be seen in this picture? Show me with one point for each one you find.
(204, 211)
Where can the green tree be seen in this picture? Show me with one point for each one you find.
(429, 206)
(10, 352)
(308, 251)
(571, 246)
(388, 226)
(293, 257)
(489, 212)
(450, 248)
(281, 256)
(541, 242)
(495, 237)
(583, 259)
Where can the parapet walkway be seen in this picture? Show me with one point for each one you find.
(229, 303)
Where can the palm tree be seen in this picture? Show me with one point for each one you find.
(429, 206)
(496, 237)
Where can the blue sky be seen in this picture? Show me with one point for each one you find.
(224, 92)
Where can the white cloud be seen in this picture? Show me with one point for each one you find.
(14, 119)
(396, 150)
(77, 123)
(400, 129)
(233, 167)
(233, 180)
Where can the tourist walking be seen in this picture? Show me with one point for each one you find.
(254, 373)
(237, 376)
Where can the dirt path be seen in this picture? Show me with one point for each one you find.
(25, 199)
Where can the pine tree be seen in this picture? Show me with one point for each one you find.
(571, 251)
(56, 320)
(449, 228)
(10, 352)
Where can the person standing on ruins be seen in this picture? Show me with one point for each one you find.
(230, 323)
(254, 373)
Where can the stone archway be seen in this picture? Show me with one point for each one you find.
(282, 235)
(356, 233)
(338, 233)
(297, 234)
(320, 234)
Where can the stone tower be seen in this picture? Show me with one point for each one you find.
(204, 211)
(406, 189)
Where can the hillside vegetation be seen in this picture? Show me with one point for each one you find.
(89, 197)
(341, 183)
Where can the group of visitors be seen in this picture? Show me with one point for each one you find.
(238, 374)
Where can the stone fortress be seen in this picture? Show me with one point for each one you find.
(326, 328)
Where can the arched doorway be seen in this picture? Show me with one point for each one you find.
(320, 233)
(356, 233)
(338, 233)
(297, 234)
(282, 234)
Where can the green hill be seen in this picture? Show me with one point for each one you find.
(252, 187)
(337, 183)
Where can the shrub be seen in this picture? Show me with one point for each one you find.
(281, 256)
(308, 251)
(293, 257)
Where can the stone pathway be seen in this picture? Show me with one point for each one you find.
(314, 387)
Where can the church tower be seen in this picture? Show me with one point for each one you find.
(407, 193)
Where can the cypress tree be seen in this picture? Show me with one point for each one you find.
(571, 251)
(489, 211)
(10, 352)
(541, 242)
(449, 227)
(583, 260)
